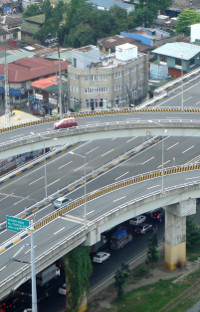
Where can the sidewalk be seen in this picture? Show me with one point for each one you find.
(17, 117)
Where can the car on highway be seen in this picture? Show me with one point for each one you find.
(61, 202)
(144, 228)
(137, 220)
(158, 215)
(101, 256)
(66, 123)
(62, 290)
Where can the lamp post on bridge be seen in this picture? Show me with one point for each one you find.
(84, 157)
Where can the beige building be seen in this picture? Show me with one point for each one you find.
(105, 81)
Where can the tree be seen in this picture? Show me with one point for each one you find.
(120, 279)
(78, 269)
(192, 232)
(33, 10)
(185, 19)
(152, 253)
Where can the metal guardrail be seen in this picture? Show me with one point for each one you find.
(154, 123)
(177, 81)
(95, 113)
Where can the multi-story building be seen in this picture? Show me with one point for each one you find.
(96, 80)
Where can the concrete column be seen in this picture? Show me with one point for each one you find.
(175, 232)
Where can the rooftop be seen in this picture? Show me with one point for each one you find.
(27, 69)
(179, 50)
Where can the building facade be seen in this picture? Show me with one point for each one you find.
(100, 81)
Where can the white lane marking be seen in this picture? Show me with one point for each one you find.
(15, 136)
(119, 199)
(148, 188)
(107, 152)
(166, 162)
(20, 200)
(69, 162)
(29, 250)
(94, 149)
(132, 139)
(6, 196)
(188, 149)
(147, 160)
(3, 268)
(53, 182)
(172, 146)
(89, 212)
(36, 180)
(192, 178)
(80, 167)
(189, 98)
(122, 175)
(197, 103)
(59, 230)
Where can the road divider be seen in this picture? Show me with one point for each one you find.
(102, 113)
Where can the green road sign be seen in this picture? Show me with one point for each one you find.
(16, 224)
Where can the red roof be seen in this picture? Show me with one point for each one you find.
(27, 69)
(45, 83)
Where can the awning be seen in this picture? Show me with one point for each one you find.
(7, 8)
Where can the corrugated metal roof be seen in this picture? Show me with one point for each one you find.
(14, 57)
(179, 50)
(30, 28)
(110, 3)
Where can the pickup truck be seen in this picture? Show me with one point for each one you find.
(101, 257)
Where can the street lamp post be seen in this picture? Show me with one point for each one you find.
(84, 157)
(45, 172)
(182, 82)
(162, 187)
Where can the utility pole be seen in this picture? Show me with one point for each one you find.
(60, 84)
(7, 98)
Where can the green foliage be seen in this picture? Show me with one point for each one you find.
(192, 232)
(121, 277)
(152, 253)
(78, 270)
(142, 271)
(185, 19)
(33, 10)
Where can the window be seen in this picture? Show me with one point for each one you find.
(192, 62)
(96, 89)
(117, 75)
(75, 62)
(163, 58)
(178, 61)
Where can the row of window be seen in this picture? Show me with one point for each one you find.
(96, 89)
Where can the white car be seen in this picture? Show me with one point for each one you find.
(137, 220)
(62, 290)
(61, 202)
(101, 257)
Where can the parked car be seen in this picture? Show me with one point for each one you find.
(101, 257)
(144, 228)
(62, 290)
(66, 123)
(61, 202)
(137, 220)
(158, 215)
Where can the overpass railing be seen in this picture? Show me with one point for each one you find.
(26, 268)
(100, 192)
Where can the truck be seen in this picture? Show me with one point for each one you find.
(48, 274)
(99, 246)
(120, 238)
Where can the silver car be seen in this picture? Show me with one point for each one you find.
(61, 202)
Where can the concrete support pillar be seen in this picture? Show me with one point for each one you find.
(175, 232)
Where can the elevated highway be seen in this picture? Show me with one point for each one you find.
(126, 125)
(59, 233)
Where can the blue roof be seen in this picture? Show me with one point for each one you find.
(180, 50)
(107, 4)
